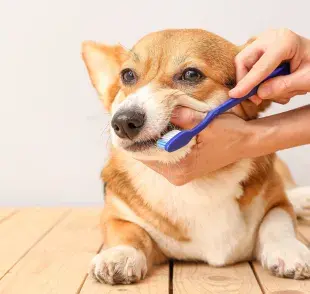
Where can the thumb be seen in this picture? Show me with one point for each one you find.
(281, 86)
(186, 118)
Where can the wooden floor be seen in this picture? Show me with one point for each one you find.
(48, 250)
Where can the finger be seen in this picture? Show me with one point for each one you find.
(186, 118)
(285, 99)
(156, 166)
(244, 62)
(282, 86)
(282, 101)
(177, 174)
(246, 59)
(260, 70)
(241, 71)
(256, 100)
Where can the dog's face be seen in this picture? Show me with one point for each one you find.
(142, 86)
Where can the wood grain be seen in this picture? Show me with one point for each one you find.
(194, 278)
(21, 231)
(156, 283)
(304, 230)
(59, 262)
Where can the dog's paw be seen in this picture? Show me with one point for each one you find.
(119, 265)
(289, 259)
(300, 199)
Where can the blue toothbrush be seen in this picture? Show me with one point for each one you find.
(176, 139)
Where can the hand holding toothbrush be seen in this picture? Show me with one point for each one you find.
(263, 55)
(221, 143)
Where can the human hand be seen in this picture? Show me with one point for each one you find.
(260, 58)
(220, 144)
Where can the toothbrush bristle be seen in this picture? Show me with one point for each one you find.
(161, 143)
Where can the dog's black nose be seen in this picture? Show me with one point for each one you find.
(128, 123)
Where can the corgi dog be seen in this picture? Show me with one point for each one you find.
(238, 213)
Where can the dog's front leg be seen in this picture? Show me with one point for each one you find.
(278, 249)
(128, 253)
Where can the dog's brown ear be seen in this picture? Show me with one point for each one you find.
(251, 40)
(103, 64)
(250, 109)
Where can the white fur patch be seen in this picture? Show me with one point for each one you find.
(154, 104)
(278, 249)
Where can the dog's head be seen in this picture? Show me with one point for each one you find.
(141, 87)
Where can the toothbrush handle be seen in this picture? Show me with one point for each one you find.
(283, 69)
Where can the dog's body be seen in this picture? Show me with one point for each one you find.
(204, 219)
(237, 213)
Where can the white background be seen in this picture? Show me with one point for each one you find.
(52, 127)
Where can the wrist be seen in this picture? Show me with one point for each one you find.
(246, 143)
(259, 139)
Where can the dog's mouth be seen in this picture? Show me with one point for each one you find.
(150, 143)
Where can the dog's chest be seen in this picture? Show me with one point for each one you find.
(219, 231)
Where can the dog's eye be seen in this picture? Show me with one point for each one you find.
(128, 76)
(192, 75)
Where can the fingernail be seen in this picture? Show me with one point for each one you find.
(176, 112)
(234, 93)
(176, 115)
(181, 114)
(256, 100)
(264, 91)
(231, 92)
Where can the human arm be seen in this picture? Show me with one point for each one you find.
(280, 131)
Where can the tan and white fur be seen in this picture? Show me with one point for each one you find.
(240, 212)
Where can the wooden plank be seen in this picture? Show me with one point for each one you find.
(21, 231)
(304, 229)
(195, 278)
(60, 261)
(5, 213)
(157, 282)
